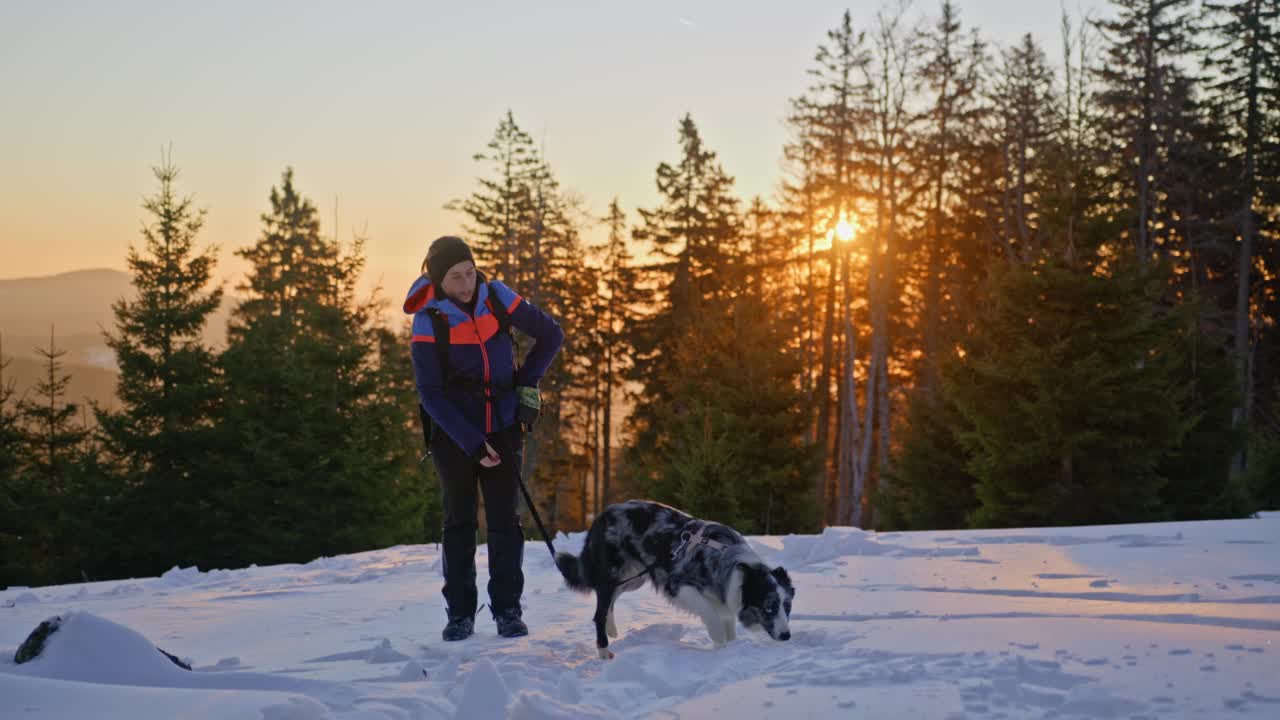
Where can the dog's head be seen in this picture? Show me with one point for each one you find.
(766, 600)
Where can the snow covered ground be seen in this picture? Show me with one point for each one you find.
(1136, 621)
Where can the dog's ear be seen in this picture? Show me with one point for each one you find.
(782, 577)
(755, 583)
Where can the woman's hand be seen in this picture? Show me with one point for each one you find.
(492, 459)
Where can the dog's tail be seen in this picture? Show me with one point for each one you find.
(574, 571)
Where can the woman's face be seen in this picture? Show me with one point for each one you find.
(460, 282)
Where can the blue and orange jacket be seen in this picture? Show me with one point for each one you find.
(479, 356)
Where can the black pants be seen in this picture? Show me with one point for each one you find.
(458, 474)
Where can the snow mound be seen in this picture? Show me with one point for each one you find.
(89, 648)
(836, 542)
(181, 577)
(484, 694)
(413, 670)
(534, 705)
(298, 708)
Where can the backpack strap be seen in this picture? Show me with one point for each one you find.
(428, 428)
(500, 313)
(440, 329)
(499, 310)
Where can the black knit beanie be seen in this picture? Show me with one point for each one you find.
(444, 253)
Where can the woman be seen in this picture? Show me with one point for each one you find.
(472, 391)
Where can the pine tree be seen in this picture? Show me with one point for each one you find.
(398, 379)
(763, 389)
(162, 435)
(617, 288)
(1262, 479)
(98, 514)
(505, 211)
(800, 213)
(1140, 74)
(315, 455)
(1024, 96)
(692, 232)
(889, 150)
(392, 499)
(563, 435)
(734, 435)
(54, 443)
(830, 122)
(12, 479)
(50, 422)
(1075, 214)
(1244, 53)
(952, 74)
(1262, 472)
(11, 458)
(1070, 396)
(525, 232)
(694, 228)
(1199, 483)
(737, 450)
(931, 488)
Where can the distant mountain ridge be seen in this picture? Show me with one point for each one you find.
(77, 307)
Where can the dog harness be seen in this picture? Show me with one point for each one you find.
(694, 540)
(687, 540)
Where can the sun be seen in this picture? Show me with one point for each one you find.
(846, 227)
(844, 230)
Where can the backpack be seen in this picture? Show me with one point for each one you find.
(440, 329)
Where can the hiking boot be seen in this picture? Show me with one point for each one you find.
(509, 623)
(459, 628)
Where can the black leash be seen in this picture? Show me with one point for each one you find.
(533, 510)
(643, 572)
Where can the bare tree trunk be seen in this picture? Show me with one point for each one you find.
(864, 449)
(1242, 414)
(815, 436)
(844, 474)
(1145, 143)
(891, 122)
(886, 291)
(843, 441)
(838, 365)
(593, 479)
(810, 340)
(851, 480)
(933, 279)
(823, 386)
(607, 476)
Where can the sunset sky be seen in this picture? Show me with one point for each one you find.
(381, 105)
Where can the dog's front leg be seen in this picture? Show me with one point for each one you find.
(604, 602)
(715, 628)
(696, 603)
(730, 628)
(610, 624)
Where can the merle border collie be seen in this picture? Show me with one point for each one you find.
(702, 567)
